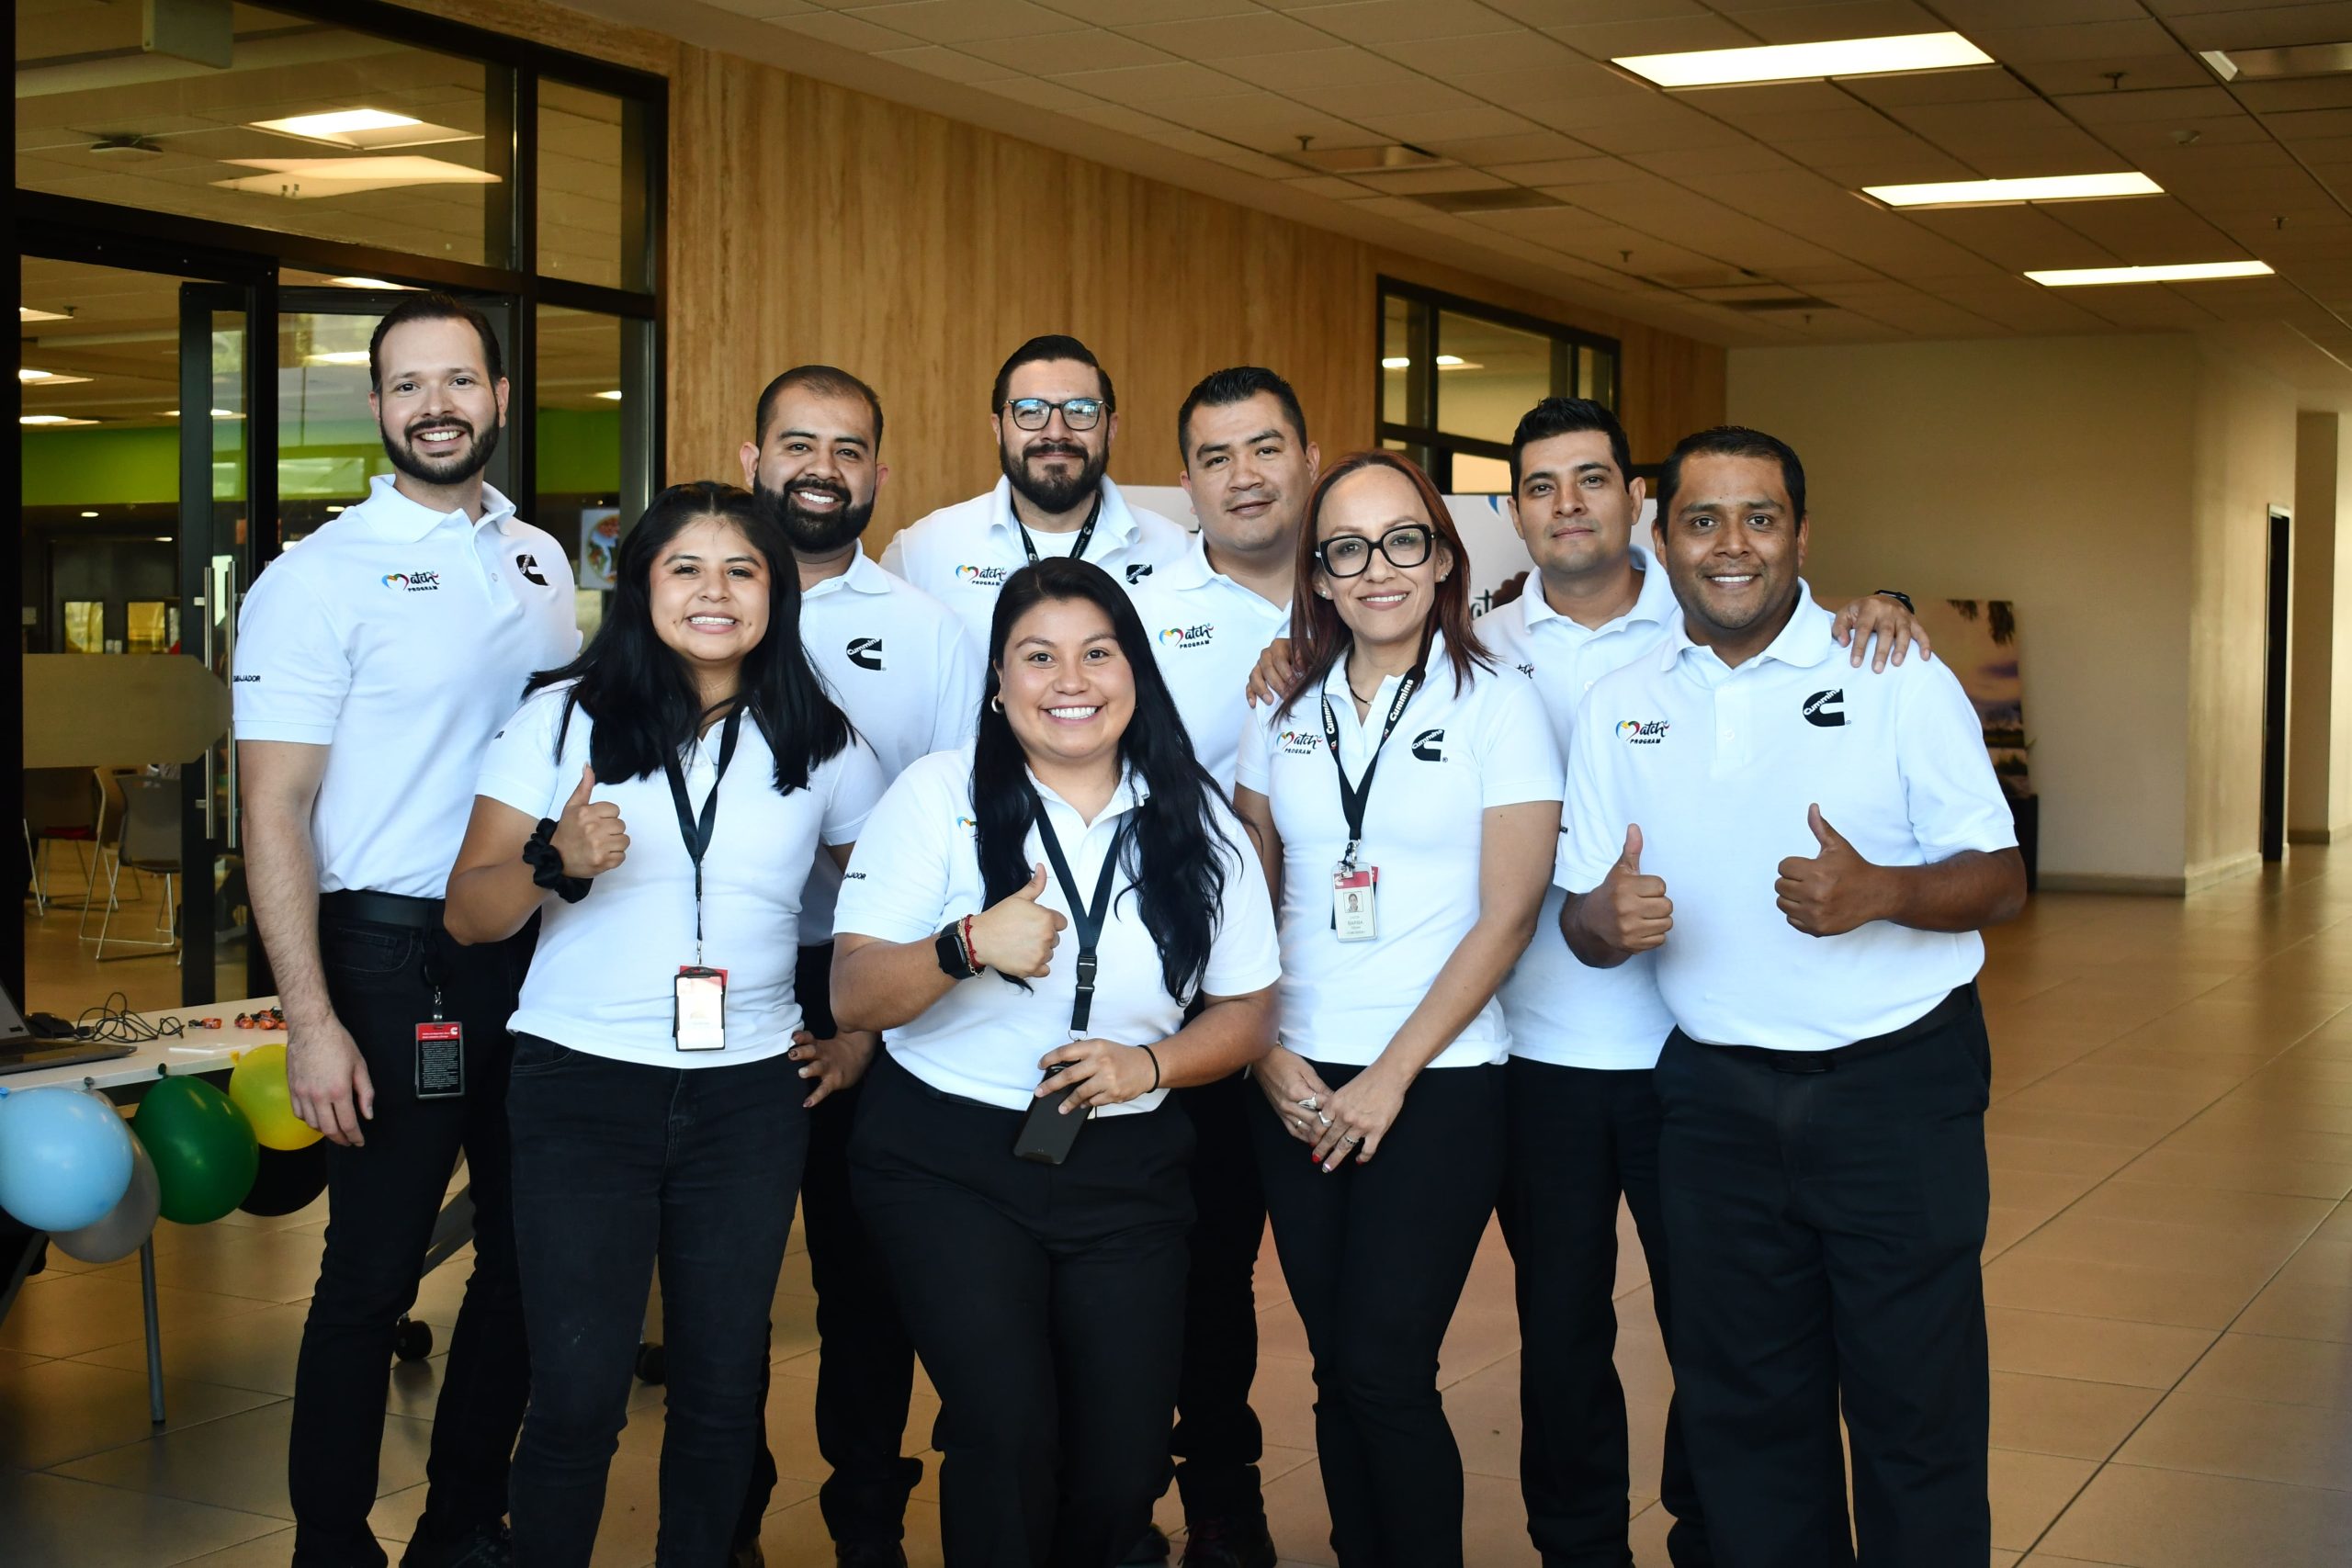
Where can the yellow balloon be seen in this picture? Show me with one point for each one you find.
(257, 1085)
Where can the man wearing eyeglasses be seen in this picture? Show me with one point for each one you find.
(1055, 416)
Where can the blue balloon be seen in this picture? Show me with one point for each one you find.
(65, 1158)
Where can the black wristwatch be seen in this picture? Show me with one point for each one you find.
(953, 962)
(1898, 596)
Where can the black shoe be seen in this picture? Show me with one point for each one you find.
(1228, 1543)
(874, 1554)
(1151, 1549)
(747, 1554)
(490, 1546)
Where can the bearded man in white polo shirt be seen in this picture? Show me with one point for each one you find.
(375, 659)
(899, 663)
(1582, 1115)
(1810, 856)
(1054, 415)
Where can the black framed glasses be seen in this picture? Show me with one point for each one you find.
(1349, 554)
(1079, 413)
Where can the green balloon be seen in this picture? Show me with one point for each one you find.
(203, 1147)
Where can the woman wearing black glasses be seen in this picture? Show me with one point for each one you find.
(1053, 926)
(1406, 794)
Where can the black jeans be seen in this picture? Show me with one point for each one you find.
(1376, 1256)
(382, 1200)
(617, 1164)
(1824, 1230)
(866, 1363)
(1579, 1137)
(1218, 1441)
(1047, 1304)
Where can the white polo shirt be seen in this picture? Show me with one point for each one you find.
(900, 666)
(603, 978)
(961, 555)
(1454, 755)
(1718, 765)
(1560, 1011)
(1207, 631)
(400, 638)
(917, 866)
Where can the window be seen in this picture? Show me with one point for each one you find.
(1456, 375)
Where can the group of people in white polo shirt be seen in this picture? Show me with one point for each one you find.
(1024, 906)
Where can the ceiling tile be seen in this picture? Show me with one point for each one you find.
(1565, 13)
(2311, 124)
(1329, 186)
(2170, 104)
(1414, 96)
(1056, 54)
(960, 21)
(1668, 35)
(2262, 27)
(1935, 88)
(1401, 21)
(1142, 13)
(1256, 119)
(847, 32)
(1551, 172)
(1969, 15)
(1231, 38)
(937, 60)
(1254, 162)
(1524, 147)
(2285, 98)
(1153, 84)
(1749, 159)
(1416, 182)
(2019, 237)
(1577, 79)
(2082, 40)
(1471, 58)
(1779, 23)
(1440, 125)
(1038, 94)
(1342, 65)
(2098, 74)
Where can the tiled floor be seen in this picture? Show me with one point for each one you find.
(2169, 1268)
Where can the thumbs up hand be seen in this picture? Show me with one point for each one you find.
(1835, 890)
(1630, 911)
(590, 834)
(1016, 934)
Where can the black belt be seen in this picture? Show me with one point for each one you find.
(381, 908)
(1957, 1004)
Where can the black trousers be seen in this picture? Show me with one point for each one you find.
(866, 1363)
(1579, 1137)
(1823, 1229)
(1218, 1441)
(382, 1200)
(1376, 1256)
(1047, 1304)
(617, 1165)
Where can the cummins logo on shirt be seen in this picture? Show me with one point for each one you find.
(1826, 709)
(529, 567)
(865, 652)
(1429, 745)
(1137, 573)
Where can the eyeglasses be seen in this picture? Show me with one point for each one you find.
(1079, 413)
(1349, 554)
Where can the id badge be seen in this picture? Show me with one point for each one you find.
(1355, 910)
(700, 1020)
(441, 1060)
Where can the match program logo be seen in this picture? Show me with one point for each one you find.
(1187, 637)
(967, 824)
(1299, 742)
(414, 581)
(1826, 709)
(865, 652)
(1640, 731)
(981, 576)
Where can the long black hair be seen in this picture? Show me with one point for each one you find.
(641, 692)
(1172, 848)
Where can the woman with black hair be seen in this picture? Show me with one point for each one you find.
(654, 1107)
(1036, 1230)
(1406, 793)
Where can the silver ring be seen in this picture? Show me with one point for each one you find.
(1348, 1140)
(1324, 1117)
(1310, 1103)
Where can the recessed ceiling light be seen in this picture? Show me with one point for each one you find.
(217, 413)
(1456, 362)
(338, 122)
(49, 378)
(365, 283)
(338, 357)
(51, 419)
(89, 514)
(332, 511)
(26, 313)
(1804, 61)
(1396, 362)
(2276, 64)
(2185, 272)
(2003, 193)
(304, 179)
(610, 397)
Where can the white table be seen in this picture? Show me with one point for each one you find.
(206, 1051)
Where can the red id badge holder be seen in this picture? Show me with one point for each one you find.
(698, 1016)
(440, 1056)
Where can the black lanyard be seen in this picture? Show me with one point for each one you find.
(1353, 796)
(697, 830)
(1084, 534)
(1088, 918)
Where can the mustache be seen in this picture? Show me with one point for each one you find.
(817, 487)
(1054, 448)
(425, 426)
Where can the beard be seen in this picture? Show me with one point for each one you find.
(814, 533)
(455, 467)
(1054, 495)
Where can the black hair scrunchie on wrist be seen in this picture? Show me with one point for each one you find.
(547, 864)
